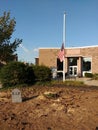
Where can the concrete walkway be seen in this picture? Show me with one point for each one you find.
(88, 81)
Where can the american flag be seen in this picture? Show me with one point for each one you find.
(61, 53)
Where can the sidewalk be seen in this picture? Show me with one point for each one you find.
(88, 81)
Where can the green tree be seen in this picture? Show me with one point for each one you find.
(7, 48)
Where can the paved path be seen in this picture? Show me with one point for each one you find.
(88, 81)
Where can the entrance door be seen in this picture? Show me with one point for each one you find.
(73, 70)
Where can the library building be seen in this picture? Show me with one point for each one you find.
(78, 60)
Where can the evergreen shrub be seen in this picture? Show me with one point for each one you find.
(42, 73)
(95, 76)
(88, 75)
(15, 73)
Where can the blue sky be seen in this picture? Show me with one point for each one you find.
(40, 24)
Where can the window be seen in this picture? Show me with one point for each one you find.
(73, 61)
(59, 64)
(86, 64)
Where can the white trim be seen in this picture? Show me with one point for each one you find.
(83, 72)
(49, 48)
(69, 47)
(73, 70)
(82, 47)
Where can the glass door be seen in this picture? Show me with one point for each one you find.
(73, 70)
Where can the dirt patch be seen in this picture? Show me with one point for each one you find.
(72, 109)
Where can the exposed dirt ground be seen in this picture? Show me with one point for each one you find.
(70, 108)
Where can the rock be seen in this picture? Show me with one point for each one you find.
(52, 95)
(41, 97)
(70, 110)
(3, 94)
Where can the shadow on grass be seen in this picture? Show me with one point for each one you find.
(96, 128)
(29, 98)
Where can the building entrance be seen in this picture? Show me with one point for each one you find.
(73, 70)
(73, 66)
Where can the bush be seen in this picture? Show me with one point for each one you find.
(88, 75)
(1, 65)
(42, 73)
(16, 73)
(29, 73)
(95, 76)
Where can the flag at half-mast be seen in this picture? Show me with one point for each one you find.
(61, 53)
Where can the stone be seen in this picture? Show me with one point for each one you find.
(16, 96)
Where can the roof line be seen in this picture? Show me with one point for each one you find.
(69, 47)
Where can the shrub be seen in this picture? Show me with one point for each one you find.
(16, 73)
(42, 73)
(88, 75)
(95, 76)
(29, 73)
(1, 65)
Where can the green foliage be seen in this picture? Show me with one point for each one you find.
(95, 76)
(30, 77)
(88, 75)
(73, 83)
(67, 83)
(1, 65)
(7, 48)
(51, 95)
(42, 73)
(16, 73)
(43, 83)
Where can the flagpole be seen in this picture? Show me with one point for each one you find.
(64, 46)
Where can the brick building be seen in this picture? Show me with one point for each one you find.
(78, 60)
